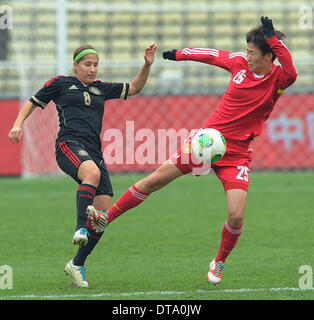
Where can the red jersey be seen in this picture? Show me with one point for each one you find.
(249, 98)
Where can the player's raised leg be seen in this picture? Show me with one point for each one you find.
(232, 229)
(135, 195)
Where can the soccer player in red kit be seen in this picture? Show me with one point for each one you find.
(255, 86)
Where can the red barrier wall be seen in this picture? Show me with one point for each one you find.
(135, 133)
(287, 141)
(10, 154)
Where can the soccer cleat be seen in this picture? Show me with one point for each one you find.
(77, 273)
(214, 273)
(80, 237)
(97, 218)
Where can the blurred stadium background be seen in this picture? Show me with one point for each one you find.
(161, 250)
(43, 35)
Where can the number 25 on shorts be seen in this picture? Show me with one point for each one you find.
(243, 173)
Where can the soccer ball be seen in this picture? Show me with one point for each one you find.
(208, 145)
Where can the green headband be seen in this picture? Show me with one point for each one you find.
(85, 52)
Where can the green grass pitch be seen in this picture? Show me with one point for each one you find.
(161, 249)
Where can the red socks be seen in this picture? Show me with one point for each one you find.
(130, 199)
(133, 197)
(229, 238)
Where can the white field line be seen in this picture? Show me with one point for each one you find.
(152, 293)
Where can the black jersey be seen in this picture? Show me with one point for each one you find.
(80, 107)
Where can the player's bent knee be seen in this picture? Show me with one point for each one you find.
(235, 220)
(94, 176)
(89, 173)
(235, 217)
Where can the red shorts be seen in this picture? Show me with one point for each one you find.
(232, 170)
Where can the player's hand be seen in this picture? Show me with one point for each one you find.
(149, 54)
(170, 55)
(15, 134)
(268, 29)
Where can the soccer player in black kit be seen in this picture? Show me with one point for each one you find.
(80, 101)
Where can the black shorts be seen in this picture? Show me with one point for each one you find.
(70, 155)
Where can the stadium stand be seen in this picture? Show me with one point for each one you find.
(121, 30)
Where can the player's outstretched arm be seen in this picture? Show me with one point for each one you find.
(289, 73)
(170, 55)
(219, 58)
(138, 83)
(268, 28)
(16, 133)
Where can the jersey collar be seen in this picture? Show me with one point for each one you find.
(84, 84)
(263, 76)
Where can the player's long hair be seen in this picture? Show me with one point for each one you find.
(256, 36)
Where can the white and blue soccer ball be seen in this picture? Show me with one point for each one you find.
(208, 145)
